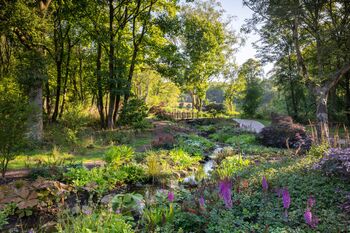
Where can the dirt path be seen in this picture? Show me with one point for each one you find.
(250, 125)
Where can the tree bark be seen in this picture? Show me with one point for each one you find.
(99, 86)
(110, 122)
(66, 77)
(322, 113)
(59, 52)
(36, 119)
(48, 99)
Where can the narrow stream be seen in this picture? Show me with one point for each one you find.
(207, 167)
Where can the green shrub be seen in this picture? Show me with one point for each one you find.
(99, 221)
(98, 179)
(5, 213)
(241, 140)
(225, 132)
(318, 151)
(215, 109)
(232, 166)
(177, 163)
(194, 144)
(134, 114)
(134, 173)
(108, 137)
(118, 155)
(182, 161)
(14, 114)
(76, 117)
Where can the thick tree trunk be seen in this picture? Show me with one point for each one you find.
(36, 119)
(322, 113)
(99, 86)
(110, 122)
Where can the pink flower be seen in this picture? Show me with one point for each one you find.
(171, 196)
(311, 201)
(264, 183)
(308, 217)
(225, 190)
(201, 202)
(285, 198)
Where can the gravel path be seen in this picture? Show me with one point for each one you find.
(250, 125)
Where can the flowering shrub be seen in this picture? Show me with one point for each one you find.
(335, 162)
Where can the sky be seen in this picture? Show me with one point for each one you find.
(235, 8)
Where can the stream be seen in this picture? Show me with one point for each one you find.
(207, 167)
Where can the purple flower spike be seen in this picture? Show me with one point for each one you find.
(225, 190)
(311, 201)
(286, 198)
(308, 217)
(264, 183)
(171, 196)
(201, 202)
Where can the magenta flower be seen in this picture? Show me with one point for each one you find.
(201, 202)
(285, 198)
(171, 196)
(308, 217)
(264, 183)
(225, 190)
(311, 201)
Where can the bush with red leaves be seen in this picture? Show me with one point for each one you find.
(160, 113)
(283, 133)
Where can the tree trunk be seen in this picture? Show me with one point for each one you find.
(322, 113)
(99, 86)
(36, 119)
(58, 90)
(131, 73)
(48, 100)
(292, 89)
(116, 108)
(110, 123)
(66, 77)
(59, 52)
